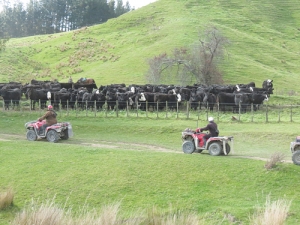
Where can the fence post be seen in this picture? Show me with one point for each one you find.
(267, 113)
(127, 108)
(177, 108)
(239, 111)
(137, 109)
(117, 109)
(76, 107)
(86, 107)
(187, 109)
(67, 107)
(166, 109)
(147, 109)
(106, 108)
(157, 109)
(95, 108)
(252, 112)
(291, 120)
(279, 112)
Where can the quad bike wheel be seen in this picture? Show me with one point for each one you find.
(52, 136)
(296, 157)
(65, 135)
(188, 147)
(31, 135)
(227, 146)
(215, 149)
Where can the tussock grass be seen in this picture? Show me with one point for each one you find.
(6, 198)
(49, 213)
(273, 213)
(276, 158)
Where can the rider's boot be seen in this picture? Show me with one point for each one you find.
(204, 142)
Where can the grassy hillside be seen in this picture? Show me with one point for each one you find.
(264, 43)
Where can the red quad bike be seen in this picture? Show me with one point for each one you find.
(193, 142)
(295, 149)
(52, 133)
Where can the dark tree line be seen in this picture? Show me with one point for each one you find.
(53, 16)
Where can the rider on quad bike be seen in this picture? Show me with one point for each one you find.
(50, 117)
(212, 127)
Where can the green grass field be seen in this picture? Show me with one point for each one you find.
(139, 163)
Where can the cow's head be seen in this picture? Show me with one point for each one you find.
(178, 97)
(142, 98)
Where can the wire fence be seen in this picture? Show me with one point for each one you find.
(167, 110)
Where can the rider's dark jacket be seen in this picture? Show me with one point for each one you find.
(212, 127)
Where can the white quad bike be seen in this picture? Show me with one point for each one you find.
(295, 149)
(193, 142)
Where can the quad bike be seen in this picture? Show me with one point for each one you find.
(52, 133)
(295, 149)
(193, 142)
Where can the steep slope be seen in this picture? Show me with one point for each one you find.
(264, 43)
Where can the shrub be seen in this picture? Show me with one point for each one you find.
(6, 198)
(275, 158)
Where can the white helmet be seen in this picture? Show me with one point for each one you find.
(210, 119)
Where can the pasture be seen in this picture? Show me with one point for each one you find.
(139, 163)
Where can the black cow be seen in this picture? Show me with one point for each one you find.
(124, 99)
(267, 84)
(62, 97)
(37, 95)
(257, 100)
(11, 96)
(226, 100)
(170, 100)
(209, 100)
(111, 99)
(196, 99)
(242, 101)
(145, 100)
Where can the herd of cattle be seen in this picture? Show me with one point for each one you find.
(81, 95)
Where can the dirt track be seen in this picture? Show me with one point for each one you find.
(122, 145)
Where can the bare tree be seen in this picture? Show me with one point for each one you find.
(197, 63)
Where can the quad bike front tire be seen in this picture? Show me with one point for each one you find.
(65, 135)
(215, 149)
(296, 157)
(31, 135)
(52, 136)
(227, 146)
(188, 147)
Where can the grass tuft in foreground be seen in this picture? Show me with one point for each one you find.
(6, 198)
(273, 213)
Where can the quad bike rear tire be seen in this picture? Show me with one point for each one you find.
(65, 135)
(188, 147)
(215, 149)
(296, 157)
(31, 135)
(52, 136)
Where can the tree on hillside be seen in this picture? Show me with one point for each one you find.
(3, 35)
(53, 16)
(197, 63)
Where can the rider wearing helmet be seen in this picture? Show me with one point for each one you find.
(50, 117)
(212, 127)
